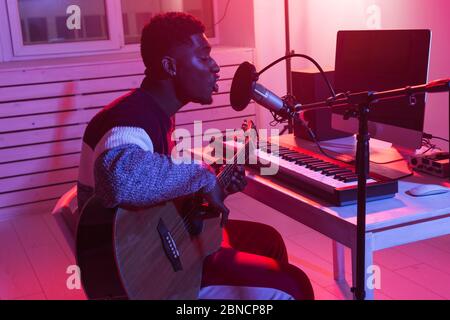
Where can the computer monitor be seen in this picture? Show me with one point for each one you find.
(379, 60)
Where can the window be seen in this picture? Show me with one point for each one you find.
(135, 14)
(62, 21)
(51, 27)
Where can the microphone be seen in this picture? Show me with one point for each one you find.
(244, 88)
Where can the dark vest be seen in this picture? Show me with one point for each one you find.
(135, 109)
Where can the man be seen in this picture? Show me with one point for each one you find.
(126, 161)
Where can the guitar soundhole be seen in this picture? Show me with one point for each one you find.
(169, 246)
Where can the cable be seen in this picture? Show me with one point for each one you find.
(333, 94)
(224, 14)
(430, 136)
(439, 138)
(427, 143)
(278, 119)
(430, 148)
(325, 153)
(388, 162)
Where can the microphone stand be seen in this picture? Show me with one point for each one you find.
(290, 124)
(363, 101)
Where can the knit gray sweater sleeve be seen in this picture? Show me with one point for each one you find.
(131, 177)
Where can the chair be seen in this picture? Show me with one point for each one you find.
(66, 212)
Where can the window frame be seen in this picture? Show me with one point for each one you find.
(136, 47)
(13, 49)
(1, 48)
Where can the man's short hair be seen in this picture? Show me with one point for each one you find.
(164, 32)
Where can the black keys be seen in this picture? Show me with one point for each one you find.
(351, 178)
(335, 171)
(315, 164)
(285, 151)
(290, 157)
(342, 176)
(289, 154)
(325, 166)
(307, 161)
(320, 166)
(312, 165)
(302, 156)
(286, 155)
(294, 157)
(347, 177)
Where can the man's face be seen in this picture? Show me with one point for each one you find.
(196, 72)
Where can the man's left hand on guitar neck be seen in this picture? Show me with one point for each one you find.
(238, 181)
(217, 195)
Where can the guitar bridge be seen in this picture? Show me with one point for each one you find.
(169, 246)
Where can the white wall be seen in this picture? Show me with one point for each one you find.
(314, 24)
(237, 26)
(270, 45)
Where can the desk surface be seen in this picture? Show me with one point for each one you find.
(400, 209)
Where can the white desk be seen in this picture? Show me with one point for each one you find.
(390, 222)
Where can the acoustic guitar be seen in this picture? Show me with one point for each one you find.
(150, 253)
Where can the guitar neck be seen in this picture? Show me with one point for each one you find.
(241, 157)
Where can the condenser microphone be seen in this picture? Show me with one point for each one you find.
(244, 88)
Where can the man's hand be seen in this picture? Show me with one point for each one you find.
(217, 195)
(215, 199)
(238, 181)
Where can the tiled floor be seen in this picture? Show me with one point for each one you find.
(35, 255)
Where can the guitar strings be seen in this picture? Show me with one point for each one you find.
(178, 229)
(222, 178)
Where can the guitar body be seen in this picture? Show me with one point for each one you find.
(144, 254)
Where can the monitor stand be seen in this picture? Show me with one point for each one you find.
(319, 121)
(380, 151)
(344, 143)
(385, 159)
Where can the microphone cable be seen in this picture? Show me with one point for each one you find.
(330, 87)
(224, 14)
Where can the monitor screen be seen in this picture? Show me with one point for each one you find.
(379, 60)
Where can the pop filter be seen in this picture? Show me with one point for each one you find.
(241, 87)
